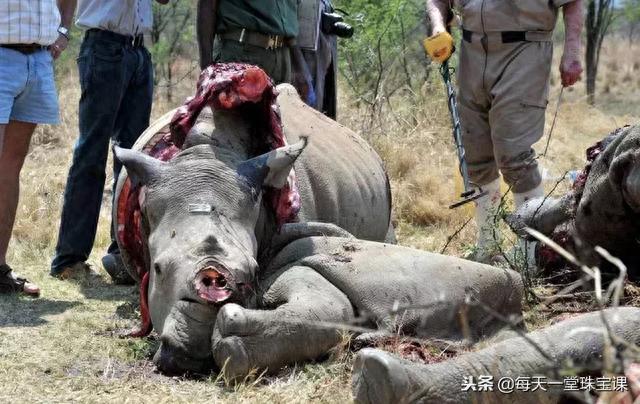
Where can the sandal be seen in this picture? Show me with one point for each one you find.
(10, 283)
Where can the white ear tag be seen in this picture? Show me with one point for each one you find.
(200, 208)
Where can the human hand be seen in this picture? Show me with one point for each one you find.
(570, 66)
(58, 46)
(439, 46)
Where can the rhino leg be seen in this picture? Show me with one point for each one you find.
(245, 339)
(542, 214)
(574, 344)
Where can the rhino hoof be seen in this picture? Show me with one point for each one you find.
(377, 378)
(231, 356)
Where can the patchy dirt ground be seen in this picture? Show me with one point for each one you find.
(62, 347)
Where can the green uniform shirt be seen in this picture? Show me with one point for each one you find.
(271, 17)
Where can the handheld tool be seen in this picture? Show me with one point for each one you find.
(469, 193)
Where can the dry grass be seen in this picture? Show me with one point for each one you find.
(60, 348)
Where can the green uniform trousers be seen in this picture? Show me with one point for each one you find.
(275, 62)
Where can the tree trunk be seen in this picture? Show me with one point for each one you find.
(599, 18)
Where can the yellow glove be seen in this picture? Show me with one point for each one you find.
(439, 46)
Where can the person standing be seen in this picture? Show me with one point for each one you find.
(116, 80)
(315, 63)
(32, 35)
(257, 32)
(503, 74)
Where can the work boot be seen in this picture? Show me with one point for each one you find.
(114, 266)
(80, 271)
(487, 240)
(524, 254)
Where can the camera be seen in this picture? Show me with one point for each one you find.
(333, 24)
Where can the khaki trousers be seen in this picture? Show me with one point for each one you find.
(502, 100)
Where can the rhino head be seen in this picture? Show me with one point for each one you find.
(199, 213)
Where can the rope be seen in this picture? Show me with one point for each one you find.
(553, 123)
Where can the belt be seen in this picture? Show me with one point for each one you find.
(134, 41)
(509, 36)
(25, 49)
(257, 39)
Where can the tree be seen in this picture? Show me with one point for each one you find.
(600, 15)
(631, 15)
(172, 36)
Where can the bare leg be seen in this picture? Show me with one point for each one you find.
(245, 339)
(14, 140)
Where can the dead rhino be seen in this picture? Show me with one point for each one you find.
(603, 209)
(204, 223)
(571, 347)
(218, 303)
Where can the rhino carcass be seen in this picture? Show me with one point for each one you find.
(603, 209)
(212, 311)
(204, 223)
(570, 347)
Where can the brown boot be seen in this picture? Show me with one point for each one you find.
(80, 271)
(10, 283)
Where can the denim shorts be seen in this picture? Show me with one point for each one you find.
(27, 87)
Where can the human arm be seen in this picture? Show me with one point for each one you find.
(437, 10)
(67, 9)
(206, 29)
(570, 64)
(440, 44)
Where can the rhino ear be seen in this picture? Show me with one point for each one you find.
(272, 169)
(141, 168)
(621, 165)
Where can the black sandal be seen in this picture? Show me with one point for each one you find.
(10, 283)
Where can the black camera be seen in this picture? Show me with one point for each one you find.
(333, 24)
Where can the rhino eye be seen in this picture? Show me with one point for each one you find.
(156, 267)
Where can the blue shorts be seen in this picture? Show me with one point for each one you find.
(27, 87)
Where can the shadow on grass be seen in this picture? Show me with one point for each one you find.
(26, 312)
(97, 288)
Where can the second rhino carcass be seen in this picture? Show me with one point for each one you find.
(602, 209)
(192, 219)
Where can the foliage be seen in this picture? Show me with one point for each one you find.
(385, 54)
(631, 14)
(600, 15)
(172, 36)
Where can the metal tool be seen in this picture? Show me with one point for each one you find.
(470, 193)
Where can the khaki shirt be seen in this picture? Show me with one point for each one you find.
(510, 15)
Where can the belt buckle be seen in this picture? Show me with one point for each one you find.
(274, 42)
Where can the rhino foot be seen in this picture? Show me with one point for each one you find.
(229, 351)
(378, 378)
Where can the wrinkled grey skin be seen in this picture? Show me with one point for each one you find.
(317, 282)
(199, 261)
(608, 214)
(577, 343)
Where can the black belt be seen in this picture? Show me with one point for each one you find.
(134, 41)
(25, 49)
(507, 36)
(257, 39)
